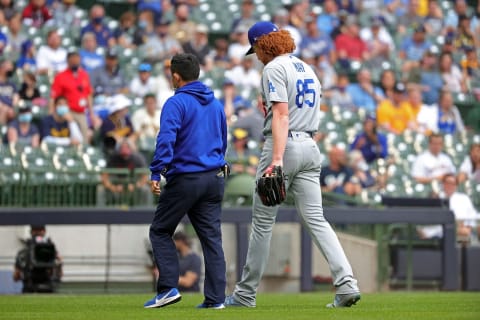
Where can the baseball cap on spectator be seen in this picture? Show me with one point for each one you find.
(239, 133)
(259, 29)
(112, 53)
(162, 21)
(419, 28)
(201, 28)
(145, 67)
(371, 117)
(26, 45)
(377, 21)
(399, 88)
(118, 102)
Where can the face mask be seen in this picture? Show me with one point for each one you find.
(74, 68)
(142, 24)
(9, 73)
(62, 110)
(97, 20)
(25, 117)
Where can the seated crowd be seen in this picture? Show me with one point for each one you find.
(400, 67)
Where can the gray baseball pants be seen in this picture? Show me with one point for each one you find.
(302, 164)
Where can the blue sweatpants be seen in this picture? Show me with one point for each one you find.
(200, 196)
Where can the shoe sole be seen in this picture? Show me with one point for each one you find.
(169, 301)
(347, 304)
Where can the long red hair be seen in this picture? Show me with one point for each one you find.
(276, 43)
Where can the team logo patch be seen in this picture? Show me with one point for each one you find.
(271, 87)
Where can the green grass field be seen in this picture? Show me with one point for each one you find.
(392, 306)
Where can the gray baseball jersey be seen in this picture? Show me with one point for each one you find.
(288, 79)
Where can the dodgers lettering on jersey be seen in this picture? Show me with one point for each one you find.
(288, 79)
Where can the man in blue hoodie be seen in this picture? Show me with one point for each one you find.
(190, 154)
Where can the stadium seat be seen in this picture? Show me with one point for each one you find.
(239, 190)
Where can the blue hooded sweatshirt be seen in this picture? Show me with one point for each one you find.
(193, 133)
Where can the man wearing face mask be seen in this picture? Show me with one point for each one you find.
(21, 131)
(97, 26)
(8, 92)
(160, 45)
(59, 128)
(74, 84)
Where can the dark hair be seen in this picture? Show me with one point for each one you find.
(60, 98)
(434, 135)
(148, 96)
(186, 65)
(449, 175)
(181, 236)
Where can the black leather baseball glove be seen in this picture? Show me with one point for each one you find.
(271, 186)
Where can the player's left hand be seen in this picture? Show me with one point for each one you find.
(155, 187)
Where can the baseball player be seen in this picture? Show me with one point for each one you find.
(291, 94)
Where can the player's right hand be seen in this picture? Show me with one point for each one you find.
(155, 187)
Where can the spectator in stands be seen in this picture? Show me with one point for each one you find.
(118, 125)
(434, 20)
(424, 116)
(145, 27)
(51, 58)
(251, 119)
(59, 127)
(131, 188)
(153, 6)
(146, 123)
(7, 8)
(27, 60)
(247, 17)
(470, 167)
(316, 42)
(98, 27)
(239, 46)
(74, 84)
(89, 57)
(125, 33)
(67, 13)
(189, 262)
(463, 209)
(387, 82)
(453, 14)
(8, 92)
(409, 18)
(349, 6)
(239, 156)
(165, 86)
(160, 45)
(328, 19)
(464, 36)
(219, 54)
(361, 172)
(432, 164)
(364, 93)
(451, 75)
(16, 34)
(281, 18)
(471, 67)
(182, 28)
(339, 96)
(230, 99)
(413, 48)
(22, 131)
(392, 114)
(378, 40)
(350, 47)
(199, 47)
(245, 77)
(337, 176)
(36, 13)
(370, 142)
(109, 79)
(449, 118)
(428, 77)
(144, 82)
(28, 89)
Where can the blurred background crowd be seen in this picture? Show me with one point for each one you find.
(82, 84)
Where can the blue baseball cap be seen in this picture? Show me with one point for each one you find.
(257, 30)
(145, 67)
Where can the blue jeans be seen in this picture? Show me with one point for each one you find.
(199, 195)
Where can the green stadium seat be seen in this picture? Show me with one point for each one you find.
(239, 190)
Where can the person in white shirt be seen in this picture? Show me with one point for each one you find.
(146, 123)
(462, 207)
(240, 45)
(470, 167)
(432, 164)
(143, 83)
(51, 57)
(245, 77)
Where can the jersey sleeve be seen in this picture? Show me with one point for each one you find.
(274, 82)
